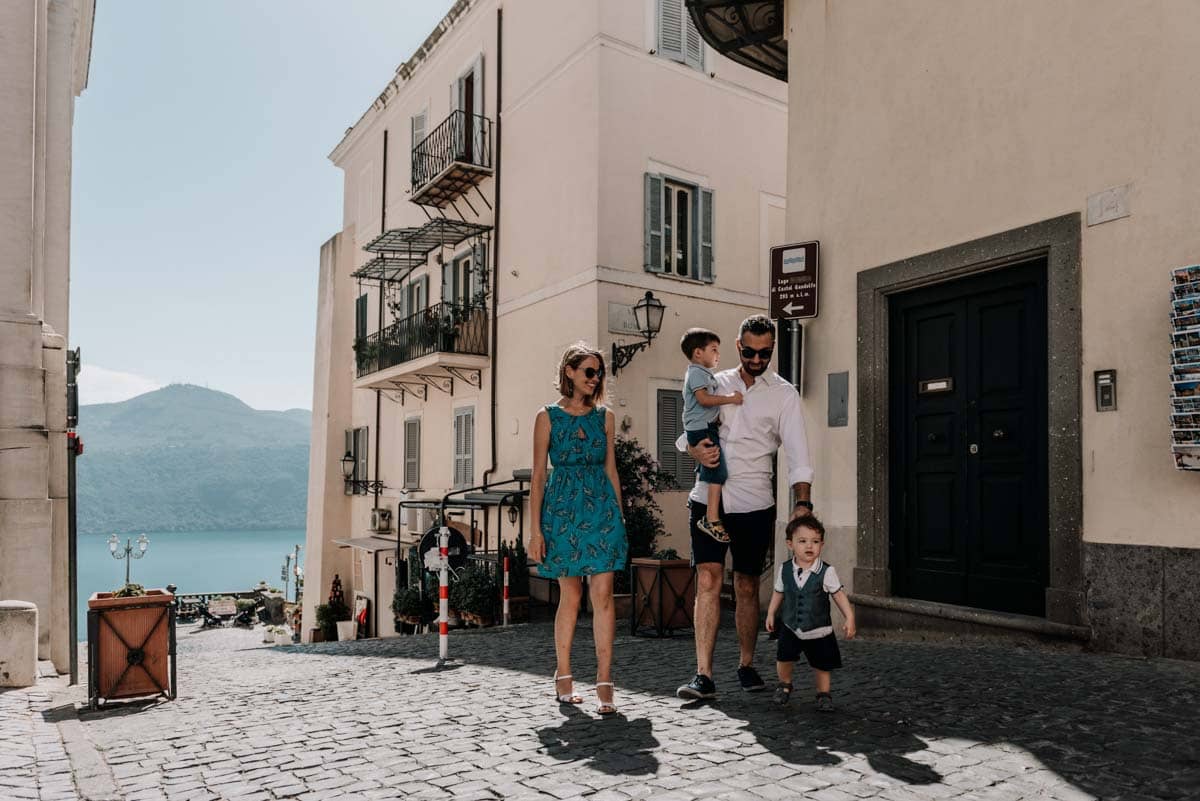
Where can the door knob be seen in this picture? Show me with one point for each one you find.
(998, 434)
(974, 448)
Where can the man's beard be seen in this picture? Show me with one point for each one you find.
(755, 371)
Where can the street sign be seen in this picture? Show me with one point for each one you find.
(793, 287)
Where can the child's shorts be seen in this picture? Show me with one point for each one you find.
(821, 653)
(711, 475)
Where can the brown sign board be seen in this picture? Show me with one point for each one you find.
(793, 288)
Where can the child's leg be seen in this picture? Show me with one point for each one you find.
(713, 512)
(784, 671)
(822, 680)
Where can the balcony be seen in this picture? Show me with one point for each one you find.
(454, 157)
(430, 348)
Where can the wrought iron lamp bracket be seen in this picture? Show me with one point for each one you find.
(622, 355)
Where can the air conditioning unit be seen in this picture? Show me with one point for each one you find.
(419, 520)
(381, 519)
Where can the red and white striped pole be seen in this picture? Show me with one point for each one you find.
(443, 594)
(506, 590)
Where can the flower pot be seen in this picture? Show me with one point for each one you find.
(268, 636)
(283, 638)
(347, 630)
(131, 646)
(664, 596)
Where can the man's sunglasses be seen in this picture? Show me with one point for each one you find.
(762, 353)
(591, 372)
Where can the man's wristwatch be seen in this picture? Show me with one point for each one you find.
(807, 504)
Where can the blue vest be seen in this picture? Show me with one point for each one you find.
(805, 608)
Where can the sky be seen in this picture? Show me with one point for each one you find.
(202, 188)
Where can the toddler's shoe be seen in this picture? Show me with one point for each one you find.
(713, 528)
(824, 702)
(783, 694)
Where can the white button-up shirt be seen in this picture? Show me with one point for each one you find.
(769, 417)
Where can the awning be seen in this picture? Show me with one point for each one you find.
(372, 544)
(393, 267)
(438, 232)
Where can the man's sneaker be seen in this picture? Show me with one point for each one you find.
(700, 688)
(783, 694)
(824, 702)
(750, 680)
(713, 528)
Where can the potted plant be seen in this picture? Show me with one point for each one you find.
(282, 635)
(478, 594)
(334, 617)
(131, 635)
(409, 606)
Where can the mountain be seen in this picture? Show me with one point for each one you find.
(186, 458)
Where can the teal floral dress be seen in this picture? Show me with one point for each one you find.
(581, 520)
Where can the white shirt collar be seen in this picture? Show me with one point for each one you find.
(813, 568)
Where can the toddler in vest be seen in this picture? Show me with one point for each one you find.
(803, 586)
(701, 412)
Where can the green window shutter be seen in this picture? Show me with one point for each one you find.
(667, 455)
(360, 317)
(670, 29)
(653, 221)
(704, 234)
(464, 447)
(412, 453)
(361, 452)
(693, 45)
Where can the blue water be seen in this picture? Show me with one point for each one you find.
(194, 561)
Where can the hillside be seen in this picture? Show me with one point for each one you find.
(186, 458)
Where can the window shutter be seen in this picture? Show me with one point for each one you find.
(693, 44)
(652, 212)
(670, 427)
(670, 29)
(704, 229)
(361, 450)
(412, 453)
(360, 317)
(468, 477)
(350, 450)
(418, 129)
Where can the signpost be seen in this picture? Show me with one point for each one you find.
(793, 288)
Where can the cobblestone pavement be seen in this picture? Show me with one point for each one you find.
(375, 720)
(33, 762)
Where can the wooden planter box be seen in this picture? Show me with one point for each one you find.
(664, 596)
(131, 646)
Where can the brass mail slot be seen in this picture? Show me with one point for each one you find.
(935, 386)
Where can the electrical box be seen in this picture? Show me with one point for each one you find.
(1106, 390)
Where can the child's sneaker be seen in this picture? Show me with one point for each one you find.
(824, 702)
(783, 694)
(713, 528)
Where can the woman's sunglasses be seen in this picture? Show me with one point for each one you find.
(762, 353)
(591, 372)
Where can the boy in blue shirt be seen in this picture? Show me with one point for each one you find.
(803, 586)
(701, 412)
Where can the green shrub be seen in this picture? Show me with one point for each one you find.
(246, 603)
(130, 591)
(328, 616)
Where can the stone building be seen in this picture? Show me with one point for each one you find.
(1000, 191)
(45, 51)
(522, 182)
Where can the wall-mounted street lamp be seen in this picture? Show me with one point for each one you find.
(648, 314)
(512, 515)
(357, 484)
(129, 552)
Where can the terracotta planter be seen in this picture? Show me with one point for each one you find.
(131, 646)
(664, 596)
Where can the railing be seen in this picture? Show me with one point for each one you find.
(462, 138)
(444, 328)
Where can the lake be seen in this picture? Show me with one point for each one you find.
(194, 561)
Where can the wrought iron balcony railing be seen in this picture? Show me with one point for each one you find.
(444, 328)
(455, 156)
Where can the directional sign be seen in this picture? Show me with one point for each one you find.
(794, 280)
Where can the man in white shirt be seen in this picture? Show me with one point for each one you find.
(751, 434)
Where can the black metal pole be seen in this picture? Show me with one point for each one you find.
(72, 561)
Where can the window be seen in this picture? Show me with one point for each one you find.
(670, 427)
(463, 278)
(464, 447)
(412, 453)
(678, 228)
(414, 297)
(677, 37)
(418, 129)
(357, 444)
(360, 317)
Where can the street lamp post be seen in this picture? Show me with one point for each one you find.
(648, 315)
(127, 553)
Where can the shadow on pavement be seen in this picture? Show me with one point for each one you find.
(615, 745)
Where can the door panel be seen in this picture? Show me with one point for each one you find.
(968, 441)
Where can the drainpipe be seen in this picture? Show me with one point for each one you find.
(382, 230)
(496, 235)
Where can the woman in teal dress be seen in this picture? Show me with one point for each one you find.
(577, 528)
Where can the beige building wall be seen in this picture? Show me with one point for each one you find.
(586, 110)
(919, 125)
(45, 50)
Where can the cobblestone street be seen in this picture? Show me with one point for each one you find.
(374, 720)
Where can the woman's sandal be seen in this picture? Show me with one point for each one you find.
(606, 707)
(566, 698)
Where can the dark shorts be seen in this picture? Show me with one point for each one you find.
(821, 653)
(713, 475)
(750, 535)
